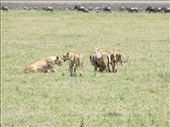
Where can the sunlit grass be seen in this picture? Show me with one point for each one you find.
(136, 97)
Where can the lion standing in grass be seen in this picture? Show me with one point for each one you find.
(75, 62)
(117, 57)
(43, 65)
(100, 58)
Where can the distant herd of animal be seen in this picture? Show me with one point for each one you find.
(101, 59)
(81, 8)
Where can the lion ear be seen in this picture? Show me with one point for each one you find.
(57, 57)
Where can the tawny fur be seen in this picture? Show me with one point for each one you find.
(75, 62)
(117, 57)
(43, 65)
(101, 58)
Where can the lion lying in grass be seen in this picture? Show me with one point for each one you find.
(43, 65)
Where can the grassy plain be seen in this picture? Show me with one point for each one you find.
(137, 97)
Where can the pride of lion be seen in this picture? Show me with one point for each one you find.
(102, 59)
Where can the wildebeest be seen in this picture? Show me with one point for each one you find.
(151, 9)
(107, 9)
(81, 8)
(166, 10)
(4, 8)
(159, 9)
(98, 9)
(48, 8)
(90, 8)
(133, 9)
(122, 8)
(27, 8)
(35, 8)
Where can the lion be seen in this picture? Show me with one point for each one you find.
(100, 58)
(75, 62)
(43, 65)
(117, 57)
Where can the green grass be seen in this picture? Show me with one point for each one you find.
(137, 97)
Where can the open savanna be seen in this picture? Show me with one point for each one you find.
(137, 97)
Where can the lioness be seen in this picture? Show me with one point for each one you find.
(75, 62)
(117, 57)
(100, 58)
(43, 65)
